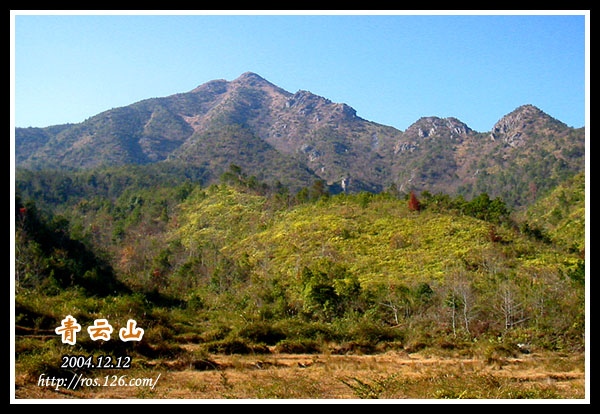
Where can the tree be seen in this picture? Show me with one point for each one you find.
(393, 191)
(413, 203)
(319, 189)
(329, 290)
(510, 306)
(235, 169)
(577, 274)
(302, 196)
(398, 299)
(454, 303)
(461, 300)
(533, 189)
(319, 293)
(484, 208)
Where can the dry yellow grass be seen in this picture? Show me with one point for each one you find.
(393, 375)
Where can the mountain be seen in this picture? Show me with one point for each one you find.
(211, 265)
(526, 154)
(297, 138)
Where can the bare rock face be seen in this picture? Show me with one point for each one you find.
(513, 127)
(316, 108)
(306, 101)
(434, 126)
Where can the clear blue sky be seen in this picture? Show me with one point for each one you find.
(392, 69)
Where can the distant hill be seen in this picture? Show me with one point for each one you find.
(526, 153)
(297, 138)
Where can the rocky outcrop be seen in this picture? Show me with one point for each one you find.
(513, 127)
(433, 126)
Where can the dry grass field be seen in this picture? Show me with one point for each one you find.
(391, 375)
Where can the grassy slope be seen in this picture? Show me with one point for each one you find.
(377, 238)
(561, 214)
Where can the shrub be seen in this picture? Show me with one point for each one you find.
(215, 333)
(298, 346)
(37, 363)
(493, 351)
(235, 346)
(484, 208)
(261, 332)
(415, 346)
(163, 350)
(188, 338)
(356, 347)
(372, 332)
(298, 329)
(158, 334)
(47, 362)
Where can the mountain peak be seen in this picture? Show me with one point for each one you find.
(250, 78)
(528, 109)
(253, 80)
(520, 123)
(513, 125)
(524, 111)
(433, 125)
(530, 106)
(217, 85)
(250, 75)
(246, 78)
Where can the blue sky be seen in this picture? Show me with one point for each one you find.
(393, 69)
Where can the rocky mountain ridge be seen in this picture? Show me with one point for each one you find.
(263, 128)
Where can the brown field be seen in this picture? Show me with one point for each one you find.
(392, 375)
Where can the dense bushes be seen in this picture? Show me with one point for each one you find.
(48, 258)
(241, 267)
(481, 206)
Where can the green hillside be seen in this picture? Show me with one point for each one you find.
(240, 266)
(370, 255)
(561, 214)
(379, 239)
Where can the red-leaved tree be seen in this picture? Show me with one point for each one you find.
(413, 203)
